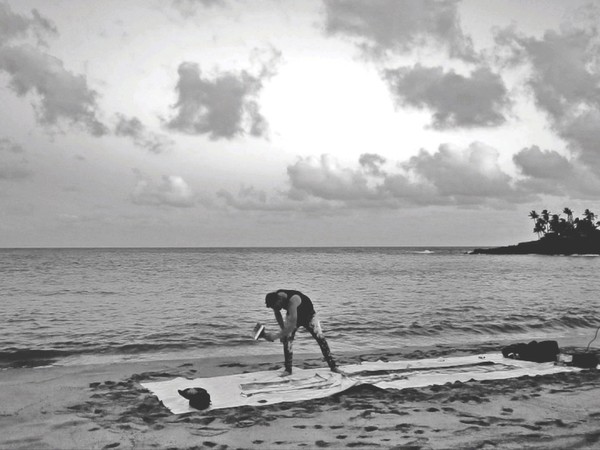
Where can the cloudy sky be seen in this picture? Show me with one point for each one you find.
(294, 123)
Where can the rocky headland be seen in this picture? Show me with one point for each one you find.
(548, 245)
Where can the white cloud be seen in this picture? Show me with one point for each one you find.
(457, 101)
(382, 26)
(325, 178)
(172, 191)
(469, 176)
(464, 176)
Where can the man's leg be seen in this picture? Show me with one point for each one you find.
(314, 328)
(288, 351)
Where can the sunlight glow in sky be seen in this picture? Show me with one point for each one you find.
(284, 123)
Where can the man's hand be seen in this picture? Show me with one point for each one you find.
(269, 336)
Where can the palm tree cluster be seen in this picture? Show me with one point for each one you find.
(548, 224)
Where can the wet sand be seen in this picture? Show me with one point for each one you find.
(104, 406)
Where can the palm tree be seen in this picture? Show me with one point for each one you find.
(589, 215)
(546, 215)
(533, 215)
(553, 223)
(569, 214)
(539, 228)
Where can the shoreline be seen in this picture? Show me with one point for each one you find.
(572, 338)
(104, 406)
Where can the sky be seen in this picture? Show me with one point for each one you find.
(209, 123)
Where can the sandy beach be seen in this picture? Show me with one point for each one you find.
(104, 406)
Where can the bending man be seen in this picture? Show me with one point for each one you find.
(299, 313)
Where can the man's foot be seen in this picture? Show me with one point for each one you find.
(338, 370)
(285, 373)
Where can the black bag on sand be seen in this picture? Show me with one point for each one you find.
(199, 398)
(544, 351)
(585, 360)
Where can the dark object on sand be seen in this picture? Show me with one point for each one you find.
(585, 360)
(199, 398)
(544, 351)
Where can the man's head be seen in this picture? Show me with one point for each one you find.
(274, 300)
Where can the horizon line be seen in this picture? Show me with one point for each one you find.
(233, 247)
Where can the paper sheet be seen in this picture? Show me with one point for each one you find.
(267, 387)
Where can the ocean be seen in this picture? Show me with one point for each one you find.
(86, 306)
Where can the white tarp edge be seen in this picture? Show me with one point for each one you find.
(268, 387)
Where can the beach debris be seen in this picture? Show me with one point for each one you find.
(585, 360)
(545, 351)
(199, 398)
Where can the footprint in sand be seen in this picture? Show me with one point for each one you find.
(557, 423)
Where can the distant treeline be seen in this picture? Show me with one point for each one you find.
(547, 223)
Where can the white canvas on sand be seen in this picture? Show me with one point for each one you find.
(268, 387)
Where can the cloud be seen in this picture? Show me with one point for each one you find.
(536, 163)
(224, 106)
(564, 82)
(16, 26)
(382, 26)
(548, 172)
(135, 129)
(468, 176)
(464, 176)
(582, 131)
(324, 178)
(171, 191)
(61, 94)
(14, 166)
(458, 101)
(372, 163)
(250, 199)
(563, 72)
(7, 145)
(190, 7)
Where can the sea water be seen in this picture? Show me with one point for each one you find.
(77, 306)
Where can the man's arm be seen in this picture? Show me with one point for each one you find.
(279, 318)
(291, 320)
